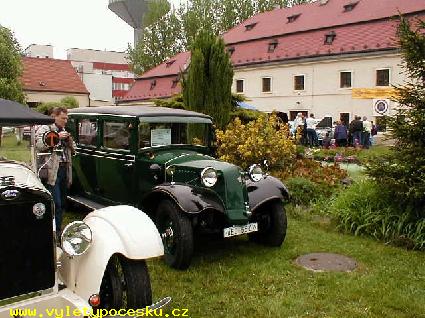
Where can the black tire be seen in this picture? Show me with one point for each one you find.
(125, 284)
(272, 225)
(176, 232)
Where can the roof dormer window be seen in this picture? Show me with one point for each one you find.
(231, 50)
(249, 27)
(350, 7)
(330, 37)
(273, 45)
(153, 83)
(293, 17)
(169, 63)
(175, 81)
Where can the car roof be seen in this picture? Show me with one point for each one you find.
(137, 111)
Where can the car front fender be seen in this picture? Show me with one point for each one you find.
(189, 199)
(115, 230)
(267, 189)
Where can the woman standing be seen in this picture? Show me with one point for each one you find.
(341, 134)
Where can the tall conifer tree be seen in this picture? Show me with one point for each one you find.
(207, 87)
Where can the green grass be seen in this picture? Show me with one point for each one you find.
(10, 150)
(235, 278)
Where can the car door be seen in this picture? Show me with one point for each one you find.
(115, 168)
(84, 162)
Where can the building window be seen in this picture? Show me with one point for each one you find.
(330, 37)
(169, 63)
(383, 77)
(350, 7)
(175, 82)
(272, 46)
(292, 18)
(299, 82)
(240, 86)
(153, 84)
(267, 84)
(249, 27)
(231, 50)
(345, 80)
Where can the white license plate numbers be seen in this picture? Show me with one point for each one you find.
(239, 230)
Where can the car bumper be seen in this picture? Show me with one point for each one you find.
(63, 302)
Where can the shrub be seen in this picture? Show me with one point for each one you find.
(303, 191)
(68, 102)
(264, 138)
(329, 177)
(367, 208)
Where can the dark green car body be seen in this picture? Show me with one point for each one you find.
(141, 156)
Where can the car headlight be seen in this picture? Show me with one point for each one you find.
(209, 177)
(255, 173)
(76, 238)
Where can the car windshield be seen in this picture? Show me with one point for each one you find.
(22, 175)
(164, 134)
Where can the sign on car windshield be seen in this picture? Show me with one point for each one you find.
(161, 137)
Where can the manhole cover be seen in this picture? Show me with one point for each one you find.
(326, 262)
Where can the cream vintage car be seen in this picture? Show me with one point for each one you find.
(100, 263)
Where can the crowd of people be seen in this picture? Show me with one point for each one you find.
(359, 133)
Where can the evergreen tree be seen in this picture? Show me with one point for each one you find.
(403, 170)
(207, 87)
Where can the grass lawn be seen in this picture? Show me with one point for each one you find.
(235, 278)
(12, 151)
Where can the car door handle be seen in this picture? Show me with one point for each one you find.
(128, 165)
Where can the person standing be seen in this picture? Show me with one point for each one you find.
(340, 134)
(367, 130)
(58, 168)
(311, 130)
(356, 128)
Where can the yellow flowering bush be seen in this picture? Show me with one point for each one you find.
(264, 138)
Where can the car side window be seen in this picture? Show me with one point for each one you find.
(87, 132)
(116, 135)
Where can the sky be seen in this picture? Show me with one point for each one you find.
(64, 24)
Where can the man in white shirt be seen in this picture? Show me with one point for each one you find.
(367, 129)
(311, 123)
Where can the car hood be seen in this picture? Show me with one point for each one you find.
(189, 158)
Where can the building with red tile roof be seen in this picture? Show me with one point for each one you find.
(47, 79)
(336, 57)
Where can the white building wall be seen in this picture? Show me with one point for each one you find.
(322, 94)
(41, 51)
(99, 86)
(97, 56)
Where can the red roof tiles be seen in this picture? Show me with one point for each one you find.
(180, 63)
(50, 75)
(314, 16)
(161, 87)
(367, 27)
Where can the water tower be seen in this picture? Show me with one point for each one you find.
(132, 12)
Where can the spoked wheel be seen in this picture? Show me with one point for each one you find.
(176, 232)
(125, 284)
(272, 224)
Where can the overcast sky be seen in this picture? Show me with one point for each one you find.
(86, 24)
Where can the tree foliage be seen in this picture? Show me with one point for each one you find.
(264, 138)
(10, 67)
(68, 102)
(403, 169)
(207, 87)
(168, 31)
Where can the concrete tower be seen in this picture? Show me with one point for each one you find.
(132, 12)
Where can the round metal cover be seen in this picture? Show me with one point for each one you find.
(326, 262)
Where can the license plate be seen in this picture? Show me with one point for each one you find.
(239, 230)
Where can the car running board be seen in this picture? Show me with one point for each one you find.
(85, 202)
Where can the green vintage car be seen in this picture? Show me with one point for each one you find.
(160, 160)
